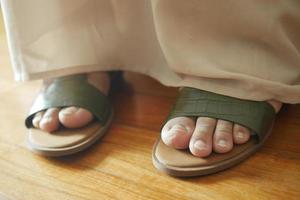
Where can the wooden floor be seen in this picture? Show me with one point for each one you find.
(120, 166)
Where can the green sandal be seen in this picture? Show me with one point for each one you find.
(66, 91)
(257, 116)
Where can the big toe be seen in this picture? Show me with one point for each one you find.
(74, 117)
(177, 132)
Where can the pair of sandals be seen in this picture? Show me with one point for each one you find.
(75, 90)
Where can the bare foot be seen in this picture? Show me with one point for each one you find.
(70, 117)
(206, 135)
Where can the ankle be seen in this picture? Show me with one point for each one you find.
(275, 104)
(100, 80)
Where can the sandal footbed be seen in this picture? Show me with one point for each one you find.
(67, 141)
(182, 163)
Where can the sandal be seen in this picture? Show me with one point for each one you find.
(257, 116)
(67, 91)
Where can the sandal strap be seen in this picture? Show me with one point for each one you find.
(68, 91)
(257, 116)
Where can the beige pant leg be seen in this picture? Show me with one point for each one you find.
(246, 49)
(62, 37)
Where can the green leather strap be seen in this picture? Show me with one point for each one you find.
(72, 90)
(257, 116)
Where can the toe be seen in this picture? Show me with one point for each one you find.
(241, 134)
(37, 119)
(74, 117)
(49, 121)
(222, 139)
(201, 141)
(177, 132)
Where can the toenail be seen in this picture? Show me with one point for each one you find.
(222, 143)
(178, 128)
(240, 135)
(200, 145)
(69, 111)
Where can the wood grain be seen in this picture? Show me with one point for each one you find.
(120, 166)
